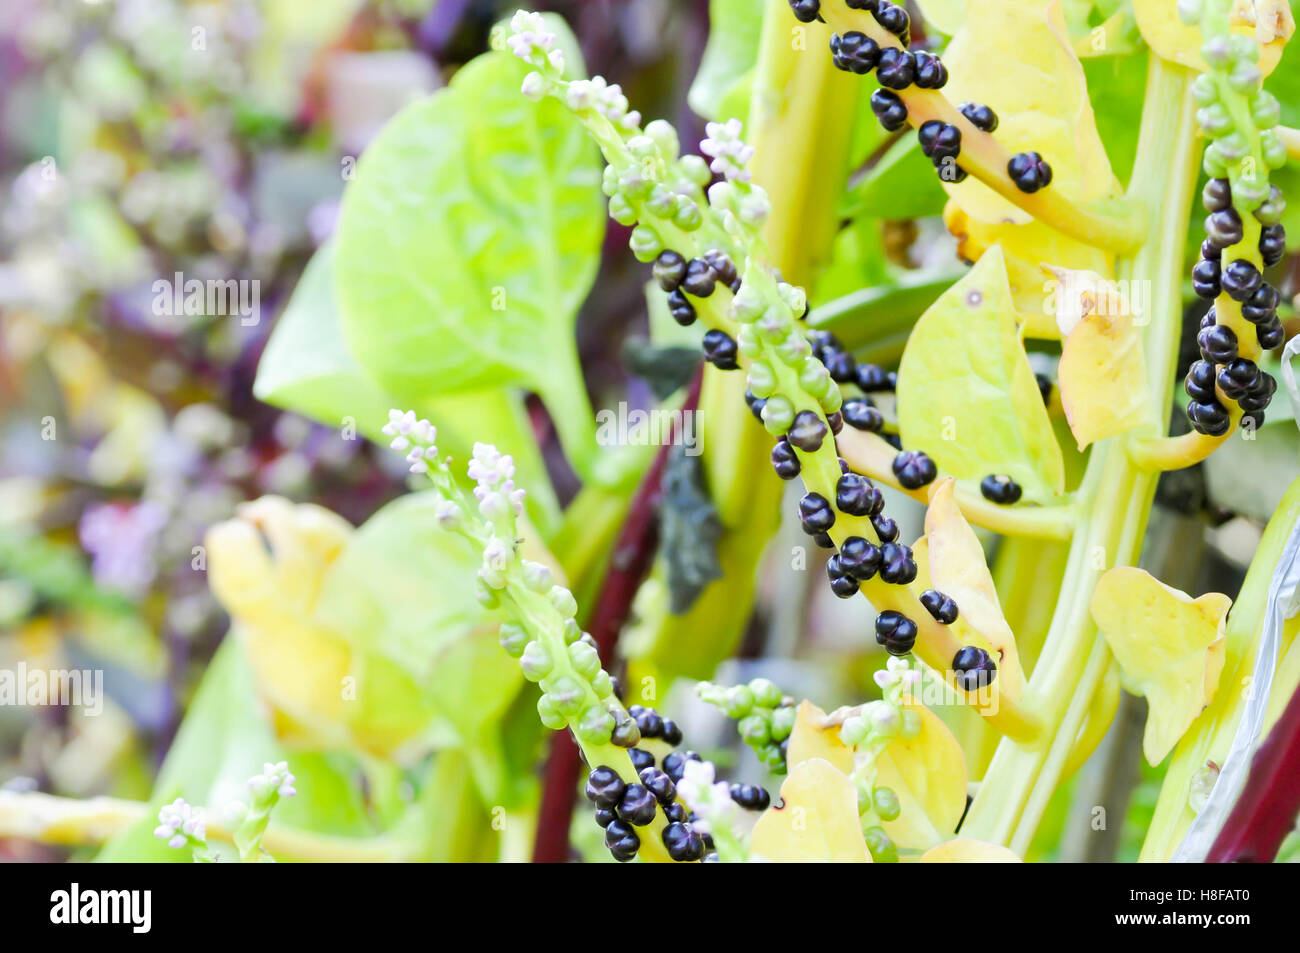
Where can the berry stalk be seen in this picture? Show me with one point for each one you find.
(1119, 227)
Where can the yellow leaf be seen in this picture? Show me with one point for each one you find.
(1102, 372)
(1040, 95)
(966, 393)
(928, 773)
(812, 738)
(817, 821)
(303, 668)
(958, 570)
(1174, 40)
(965, 850)
(1169, 646)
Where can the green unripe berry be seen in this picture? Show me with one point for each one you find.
(1271, 209)
(563, 602)
(782, 722)
(1272, 148)
(1214, 119)
(1204, 90)
(538, 578)
(549, 715)
(1245, 77)
(883, 849)
(722, 197)
(886, 803)
(585, 659)
(487, 597)
(572, 631)
(1248, 192)
(793, 349)
(662, 201)
(514, 639)
(536, 661)
(688, 216)
(1243, 49)
(566, 693)
(747, 342)
(773, 325)
(832, 401)
(762, 379)
(766, 694)
(643, 147)
(813, 377)
(854, 730)
(778, 415)
(794, 297)
(1212, 165)
(1231, 147)
(665, 138)
(911, 726)
(738, 702)
(754, 729)
(595, 726)
(602, 684)
(634, 185)
(884, 718)
(754, 208)
(645, 243)
(771, 756)
(748, 303)
(609, 181)
(621, 211)
(1265, 110)
(695, 169)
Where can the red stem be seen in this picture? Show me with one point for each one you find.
(1266, 811)
(629, 562)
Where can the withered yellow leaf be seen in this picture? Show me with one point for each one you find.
(816, 822)
(1169, 646)
(812, 738)
(1102, 372)
(928, 773)
(958, 569)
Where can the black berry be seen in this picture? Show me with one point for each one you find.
(1240, 280)
(681, 309)
(750, 796)
(896, 632)
(659, 784)
(1199, 382)
(859, 558)
(854, 52)
(914, 469)
(973, 667)
(1217, 195)
(896, 69)
(1262, 305)
(929, 69)
(669, 269)
(637, 805)
(885, 527)
(1029, 171)
(1205, 278)
(720, 349)
(980, 116)
(682, 842)
(808, 431)
(1208, 418)
(815, 513)
(940, 606)
(998, 488)
(622, 841)
(842, 584)
(894, 19)
(604, 787)
(861, 415)
(700, 278)
(1218, 343)
(896, 564)
(889, 110)
(784, 460)
(1224, 227)
(1272, 243)
(806, 11)
(857, 496)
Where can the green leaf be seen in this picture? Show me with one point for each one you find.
(966, 394)
(467, 243)
(902, 184)
(403, 586)
(1111, 84)
(691, 529)
(308, 369)
(306, 366)
(720, 89)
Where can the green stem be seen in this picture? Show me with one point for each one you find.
(1114, 493)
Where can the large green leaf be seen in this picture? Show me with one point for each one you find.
(467, 242)
(902, 184)
(720, 89)
(308, 369)
(966, 393)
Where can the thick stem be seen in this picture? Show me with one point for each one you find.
(1115, 495)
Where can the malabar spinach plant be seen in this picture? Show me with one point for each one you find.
(1016, 389)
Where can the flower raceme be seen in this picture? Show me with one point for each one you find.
(653, 800)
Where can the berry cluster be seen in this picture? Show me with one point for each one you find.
(764, 716)
(689, 816)
(898, 68)
(1243, 227)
